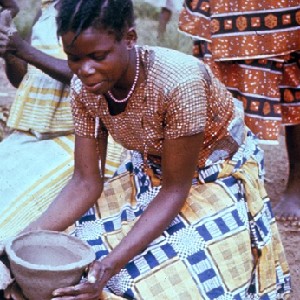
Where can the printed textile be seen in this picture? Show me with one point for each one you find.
(224, 244)
(253, 48)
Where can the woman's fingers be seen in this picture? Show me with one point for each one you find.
(6, 34)
(84, 290)
(13, 292)
(99, 273)
(5, 18)
(89, 288)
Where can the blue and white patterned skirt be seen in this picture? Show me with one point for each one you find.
(224, 243)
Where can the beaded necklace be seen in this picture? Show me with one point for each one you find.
(136, 77)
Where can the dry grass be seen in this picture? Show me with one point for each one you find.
(26, 16)
(147, 34)
(146, 21)
(147, 24)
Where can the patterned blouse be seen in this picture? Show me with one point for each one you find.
(180, 97)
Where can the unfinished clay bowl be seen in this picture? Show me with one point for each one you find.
(43, 261)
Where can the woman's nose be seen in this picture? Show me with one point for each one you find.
(86, 69)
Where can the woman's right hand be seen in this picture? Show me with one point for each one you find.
(91, 288)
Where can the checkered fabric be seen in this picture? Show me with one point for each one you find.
(206, 252)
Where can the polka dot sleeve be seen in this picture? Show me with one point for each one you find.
(186, 108)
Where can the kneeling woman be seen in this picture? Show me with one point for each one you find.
(190, 218)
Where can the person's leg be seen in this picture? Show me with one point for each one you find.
(288, 208)
(164, 17)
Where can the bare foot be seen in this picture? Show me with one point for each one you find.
(287, 211)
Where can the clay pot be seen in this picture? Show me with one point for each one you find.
(43, 261)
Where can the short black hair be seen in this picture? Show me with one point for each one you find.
(78, 15)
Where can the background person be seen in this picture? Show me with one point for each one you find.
(245, 49)
(167, 9)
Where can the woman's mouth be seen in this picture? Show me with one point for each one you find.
(96, 88)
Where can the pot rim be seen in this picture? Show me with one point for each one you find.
(83, 262)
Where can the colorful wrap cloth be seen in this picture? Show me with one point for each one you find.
(224, 244)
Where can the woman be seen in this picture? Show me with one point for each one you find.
(190, 219)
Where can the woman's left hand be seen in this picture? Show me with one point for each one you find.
(14, 292)
(91, 288)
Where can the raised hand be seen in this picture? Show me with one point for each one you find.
(7, 30)
(10, 5)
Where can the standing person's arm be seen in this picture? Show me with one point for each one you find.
(54, 67)
(18, 52)
(15, 69)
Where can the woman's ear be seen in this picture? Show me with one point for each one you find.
(131, 38)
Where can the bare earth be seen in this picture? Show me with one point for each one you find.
(276, 174)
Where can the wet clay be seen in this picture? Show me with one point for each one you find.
(43, 261)
(48, 255)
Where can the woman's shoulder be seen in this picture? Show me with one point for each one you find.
(168, 56)
(170, 66)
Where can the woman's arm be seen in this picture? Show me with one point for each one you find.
(180, 158)
(179, 161)
(80, 193)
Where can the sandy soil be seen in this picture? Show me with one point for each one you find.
(276, 174)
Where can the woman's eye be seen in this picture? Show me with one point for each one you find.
(98, 57)
(73, 58)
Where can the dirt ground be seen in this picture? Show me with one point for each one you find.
(276, 174)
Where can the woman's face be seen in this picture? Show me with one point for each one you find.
(97, 58)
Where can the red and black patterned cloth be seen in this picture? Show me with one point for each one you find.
(253, 47)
